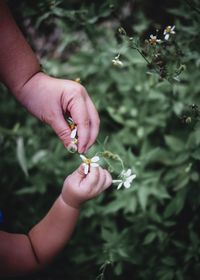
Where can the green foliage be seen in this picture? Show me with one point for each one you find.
(150, 231)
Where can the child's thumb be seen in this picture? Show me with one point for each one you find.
(79, 173)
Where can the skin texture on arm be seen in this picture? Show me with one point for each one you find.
(18, 63)
(22, 254)
(45, 97)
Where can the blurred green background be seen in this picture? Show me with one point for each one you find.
(152, 230)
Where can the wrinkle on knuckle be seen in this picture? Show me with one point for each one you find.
(79, 91)
(64, 133)
(81, 172)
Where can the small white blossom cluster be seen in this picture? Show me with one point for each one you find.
(117, 62)
(168, 31)
(126, 179)
(153, 40)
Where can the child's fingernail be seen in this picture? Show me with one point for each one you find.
(72, 148)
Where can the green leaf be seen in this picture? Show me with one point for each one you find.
(38, 156)
(149, 238)
(174, 143)
(21, 155)
(176, 204)
(143, 194)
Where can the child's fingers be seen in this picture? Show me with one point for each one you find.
(108, 180)
(77, 176)
(105, 180)
(92, 177)
(101, 181)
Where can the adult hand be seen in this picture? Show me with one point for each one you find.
(51, 99)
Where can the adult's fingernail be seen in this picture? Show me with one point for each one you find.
(72, 148)
(83, 149)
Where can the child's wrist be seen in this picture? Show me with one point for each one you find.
(69, 202)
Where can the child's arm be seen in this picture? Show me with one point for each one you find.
(46, 98)
(21, 254)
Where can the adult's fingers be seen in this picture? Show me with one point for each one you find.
(79, 113)
(94, 122)
(62, 129)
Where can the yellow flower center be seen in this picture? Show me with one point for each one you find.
(72, 126)
(75, 141)
(153, 41)
(78, 80)
(168, 29)
(87, 161)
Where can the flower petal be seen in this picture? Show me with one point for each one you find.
(116, 181)
(119, 186)
(70, 119)
(131, 178)
(128, 173)
(73, 133)
(167, 36)
(95, 159)
(127, 184)
(83, 157)
(86, 169)
(93, 164)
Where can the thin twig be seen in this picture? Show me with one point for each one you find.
(192, 6)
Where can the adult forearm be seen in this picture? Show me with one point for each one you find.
(18, 63)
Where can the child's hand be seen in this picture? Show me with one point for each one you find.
(50, 99)
(79, 187)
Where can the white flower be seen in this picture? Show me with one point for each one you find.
(126, 179)
(87, 162)
(73, 128)
(117, 62)
(153, 40)
(73, 133)
(168, 31)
